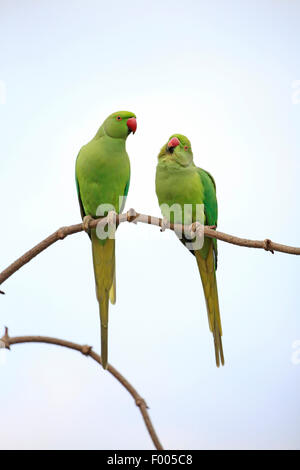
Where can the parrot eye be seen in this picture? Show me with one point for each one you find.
(118, 118)
(185, 147)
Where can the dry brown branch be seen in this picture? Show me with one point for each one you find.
(87, 351)
(132, 216)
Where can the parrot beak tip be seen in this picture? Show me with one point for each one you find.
(132, 125)
(172, 144)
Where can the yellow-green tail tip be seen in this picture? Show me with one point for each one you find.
(218, 349)
(104, 347)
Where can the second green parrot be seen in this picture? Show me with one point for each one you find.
(180, 183)
(102, 179)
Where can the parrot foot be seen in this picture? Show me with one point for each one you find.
(86, 223)
(197, 229)
(196, 236)
(111, 219)
(165, 223)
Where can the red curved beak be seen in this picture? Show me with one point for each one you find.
(132, 124)
(173, 143)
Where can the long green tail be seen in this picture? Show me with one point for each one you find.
(208, 277)
(104, 269)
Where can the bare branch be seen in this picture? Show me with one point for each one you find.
(132, 216)
(87, 351)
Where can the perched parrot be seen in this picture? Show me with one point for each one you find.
(102, 178)
(179, 181)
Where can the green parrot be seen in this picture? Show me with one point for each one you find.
(102, 179)
(179, 182)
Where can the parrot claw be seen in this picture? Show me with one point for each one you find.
(197, 229)
(196, 236)
(86, 223)
(164, 224)
(111, 219)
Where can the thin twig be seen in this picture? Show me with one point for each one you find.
(132, 216)
(87, 351)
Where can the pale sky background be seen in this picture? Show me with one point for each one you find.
(223, 74)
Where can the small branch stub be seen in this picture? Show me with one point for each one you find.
(139, 401)
(5, 339)
(132, 215)
(61, 233)
(86, 350)
(268, 245)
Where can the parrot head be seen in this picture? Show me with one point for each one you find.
(177, 150)
(120, 124)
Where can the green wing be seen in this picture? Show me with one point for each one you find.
(125, 196)
(79, 199)
(210, 204)
(82, 211)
